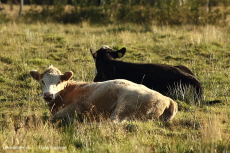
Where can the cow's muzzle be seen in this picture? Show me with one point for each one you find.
(48, 96)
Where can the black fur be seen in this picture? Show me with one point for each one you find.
(155, 76)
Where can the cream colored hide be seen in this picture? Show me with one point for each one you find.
(115, 99)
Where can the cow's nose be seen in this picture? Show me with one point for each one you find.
(48, 96)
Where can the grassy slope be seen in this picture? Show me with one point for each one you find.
(24, 118)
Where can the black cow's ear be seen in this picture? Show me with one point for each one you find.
(93, 53)
(66, 76)
(121, 52)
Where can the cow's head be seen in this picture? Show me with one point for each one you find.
(52, 81)
(106, 53)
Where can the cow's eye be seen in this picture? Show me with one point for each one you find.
(43, 82)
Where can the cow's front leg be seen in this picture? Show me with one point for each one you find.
(119, 114)
(65, 114)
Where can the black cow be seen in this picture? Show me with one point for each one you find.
(159, 77)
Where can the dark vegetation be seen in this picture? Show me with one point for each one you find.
(160, 12)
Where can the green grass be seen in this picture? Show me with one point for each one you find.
(25, 119)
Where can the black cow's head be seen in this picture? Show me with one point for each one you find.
(105, 53)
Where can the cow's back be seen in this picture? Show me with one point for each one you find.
(139, 102)
(158, 77)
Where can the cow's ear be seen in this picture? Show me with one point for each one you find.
(35, 75)
(121, 52)
(93, 53)
(66, 76)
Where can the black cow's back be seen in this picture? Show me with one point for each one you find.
(159, 77)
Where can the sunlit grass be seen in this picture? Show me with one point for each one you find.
(24, 117)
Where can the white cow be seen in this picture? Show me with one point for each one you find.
(115, 99)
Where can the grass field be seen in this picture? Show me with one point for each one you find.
(24, 117)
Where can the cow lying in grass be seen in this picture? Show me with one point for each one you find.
(115, 99)
(159, 77)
